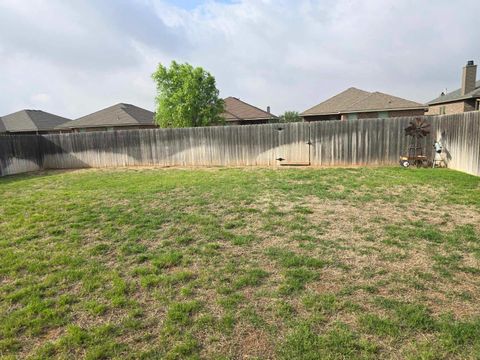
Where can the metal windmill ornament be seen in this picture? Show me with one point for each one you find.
(418, 129)
(417, 133)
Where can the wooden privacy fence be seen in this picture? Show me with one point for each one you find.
(327, 143)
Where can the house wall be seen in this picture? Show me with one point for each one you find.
(321, 117)
(115, 128)
(250, 122)
(366, 115)
(399, 113)
(451, 108)
(34, 132)
(392, 114)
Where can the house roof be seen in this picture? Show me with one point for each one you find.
(31, 120)
(2, 127)
(356, 100)
(236, 109)
(116, 115)
(457, 95)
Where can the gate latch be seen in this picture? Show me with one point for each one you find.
(280, 159)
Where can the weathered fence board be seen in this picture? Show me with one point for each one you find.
(327, 143)
(19, 154)
(460, 135)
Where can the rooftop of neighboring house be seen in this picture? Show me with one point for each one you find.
(238, 110)
(457, 95)
(30, 121)
(116, 115)
(354, 100)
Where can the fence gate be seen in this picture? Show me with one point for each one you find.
(293, 144)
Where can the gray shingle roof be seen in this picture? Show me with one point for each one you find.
(116, 115)
(31, 120)
(236, 109)
(457, 95)
(338, 102)
(2, 127)
(356, 100)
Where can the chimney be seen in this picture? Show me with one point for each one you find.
(469, 77)
(268, 109)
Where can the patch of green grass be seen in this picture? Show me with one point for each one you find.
(454, 339)
(95, 308)
(417, 230)
(410, 316)
(133, 248)
(284, 309)
(290, 259)
(186, 348)
(167, 259)
(95, 343)
(227, 323)
(377, 325)
(457, 335)
(322, 303)
(252, 277)
(231, 301)
(303, 342)
(235, 224)
(296, 279)
(181, 313)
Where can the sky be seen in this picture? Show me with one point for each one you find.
(75, 57)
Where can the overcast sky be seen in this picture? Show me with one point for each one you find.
(75, 57)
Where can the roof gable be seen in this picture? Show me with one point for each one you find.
(457, 95)
(32, 120)
(236, 109)
(116, 115)
(356, 100)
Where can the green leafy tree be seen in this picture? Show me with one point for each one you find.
(290, 116)
(186, 97)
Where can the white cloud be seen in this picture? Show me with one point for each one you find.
(41, 98)
(287, 54)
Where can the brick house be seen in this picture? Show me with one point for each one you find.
(354, 103)
(467, 98)
(238, 112)
(117, 117)
(31, 122)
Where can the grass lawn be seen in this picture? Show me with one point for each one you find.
(240, 263)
